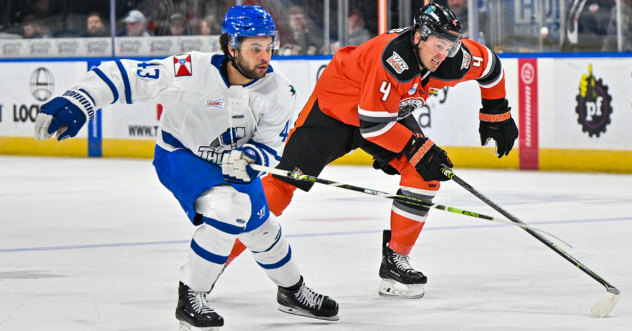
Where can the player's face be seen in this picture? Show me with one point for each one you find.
(254, 56)
(433, 51)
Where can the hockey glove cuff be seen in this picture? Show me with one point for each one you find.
(427, 158)
(64, 116)
(235, 167)
(496, 123)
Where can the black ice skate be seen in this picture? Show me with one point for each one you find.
(194, 311)
(302, 300)
(396, 270)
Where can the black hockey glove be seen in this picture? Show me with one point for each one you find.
(496, 123)
(427, 158)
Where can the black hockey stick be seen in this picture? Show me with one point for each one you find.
(603, 307)
(416, 203)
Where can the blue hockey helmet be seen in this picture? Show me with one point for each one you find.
(249, 21)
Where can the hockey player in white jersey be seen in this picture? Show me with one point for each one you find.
(221, 112)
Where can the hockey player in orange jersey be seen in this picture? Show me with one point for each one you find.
(363, 99)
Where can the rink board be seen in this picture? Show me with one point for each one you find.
(563, 126)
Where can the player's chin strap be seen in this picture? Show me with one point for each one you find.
(416, 47)
(236, 66)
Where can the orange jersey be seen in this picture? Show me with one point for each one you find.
(372, 85)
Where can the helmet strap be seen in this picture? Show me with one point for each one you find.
(236, 66)
(416, 47)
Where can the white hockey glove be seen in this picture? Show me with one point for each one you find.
(235, 164)
(61, 117)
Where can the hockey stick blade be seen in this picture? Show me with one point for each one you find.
(608, 301)
(603, 307)
(413, 202)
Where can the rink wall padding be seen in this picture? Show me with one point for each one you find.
(573, 111)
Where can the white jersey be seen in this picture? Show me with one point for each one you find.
(201, 112)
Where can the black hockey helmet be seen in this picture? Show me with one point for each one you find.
(441, 22)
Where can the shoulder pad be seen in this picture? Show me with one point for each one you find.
(399, 58)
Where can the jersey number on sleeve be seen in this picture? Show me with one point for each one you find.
(385, 89)
(284, 133)
(143, 74)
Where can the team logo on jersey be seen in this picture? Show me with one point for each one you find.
(594, 104)
(397, 63)
(407, 106)
(182, 65)
(413, 89)
(225, 143)
(467, 60)
(219, 103)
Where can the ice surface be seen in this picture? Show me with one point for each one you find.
(96, 244)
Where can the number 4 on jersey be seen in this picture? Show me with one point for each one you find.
(285, 131)
(385, 89)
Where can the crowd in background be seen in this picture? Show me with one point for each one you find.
(589, 25)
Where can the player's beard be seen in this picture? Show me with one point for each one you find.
(251, 71)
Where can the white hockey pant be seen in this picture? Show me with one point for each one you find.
(225, 213)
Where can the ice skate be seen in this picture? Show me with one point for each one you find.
(399, 279)
(302, 300)
(194, 311)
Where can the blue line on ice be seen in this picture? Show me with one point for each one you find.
(171, 242)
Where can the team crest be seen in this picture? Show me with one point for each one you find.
(407, 106)
(182, 65)
(219, 103)
(467, 60)
(397, 63)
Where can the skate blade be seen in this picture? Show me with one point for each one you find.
(392, 289)
(184, 326)
(301, 312)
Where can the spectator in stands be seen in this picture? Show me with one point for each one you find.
(208, 26)
(34, 29)
(587, 25)
(303, 44)
(610, 43)
(95, 26)
(357, 32)
(177, 25)
(135, 25)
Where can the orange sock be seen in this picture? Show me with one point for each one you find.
(278, 193)
(238, 248)
(404, 233)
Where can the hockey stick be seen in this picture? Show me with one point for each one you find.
(401, 198)
(603, 307)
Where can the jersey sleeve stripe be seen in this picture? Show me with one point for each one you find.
(128, 89)
(88, 95)
(495, 82)
(364, 118)
(377, 114)
(491, 59)
(494, 72)
(376, 130)
(108, 82)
